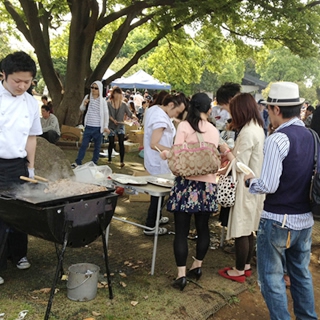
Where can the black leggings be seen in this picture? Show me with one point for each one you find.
(121, 146)
(244, 251)
(180, 243)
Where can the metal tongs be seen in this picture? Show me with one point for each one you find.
(37, 179)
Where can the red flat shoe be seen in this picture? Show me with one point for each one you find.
(224, 273)
(247, 273)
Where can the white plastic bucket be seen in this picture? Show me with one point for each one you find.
(82, 281)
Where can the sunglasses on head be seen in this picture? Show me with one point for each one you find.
(95, 88)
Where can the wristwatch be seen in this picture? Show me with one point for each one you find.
(247, 183)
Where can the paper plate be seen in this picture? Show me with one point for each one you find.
(161, 182)
(126, 179)
(244, 168)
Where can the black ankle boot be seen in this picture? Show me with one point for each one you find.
(195, 273)
(180, 283)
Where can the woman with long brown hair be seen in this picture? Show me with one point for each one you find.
(117, 110)
(245, 214)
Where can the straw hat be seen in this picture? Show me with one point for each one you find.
(284, 94)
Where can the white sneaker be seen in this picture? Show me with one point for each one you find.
(161, 232)
(73, 165)
(163, 220)
(1, 280)
(23, 263)
(114, 153)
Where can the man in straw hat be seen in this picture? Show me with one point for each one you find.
(284, 235)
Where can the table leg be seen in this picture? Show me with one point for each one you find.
(156, 234)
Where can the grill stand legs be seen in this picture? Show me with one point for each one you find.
(106, 258)
(59, 267)
(58, 270)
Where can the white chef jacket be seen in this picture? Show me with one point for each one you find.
(19, 118)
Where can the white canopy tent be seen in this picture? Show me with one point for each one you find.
(108, 74)
(141, 80)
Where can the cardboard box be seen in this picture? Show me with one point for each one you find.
(70, 133)
(141, 173)
(141, 197)
(129, 147)
(128, 128)
(136, 136)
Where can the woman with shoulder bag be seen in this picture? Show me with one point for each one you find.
(193, 195)
(96, 121)
(117, 111)
(244, 215)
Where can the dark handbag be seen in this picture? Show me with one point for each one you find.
(315, 181)
(194, 159)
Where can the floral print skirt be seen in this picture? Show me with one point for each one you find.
(192, 196)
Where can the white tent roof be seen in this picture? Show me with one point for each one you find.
(108, 74)
(141, 80)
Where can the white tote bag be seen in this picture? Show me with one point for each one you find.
(227, 186)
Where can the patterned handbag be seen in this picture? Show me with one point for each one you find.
(194, 159)
(227, 185)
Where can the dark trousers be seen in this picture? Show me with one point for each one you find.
(121, 146)
(152, 211)
(51, 136)
(13, 243)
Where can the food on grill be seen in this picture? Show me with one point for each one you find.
(67, 188)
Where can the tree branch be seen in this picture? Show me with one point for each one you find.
(140, 53)
(19, 22)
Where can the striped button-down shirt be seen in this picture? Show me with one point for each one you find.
(276, 148)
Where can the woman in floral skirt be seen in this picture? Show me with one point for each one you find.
(195, 195)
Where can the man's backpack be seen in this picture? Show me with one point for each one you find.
(315, 182)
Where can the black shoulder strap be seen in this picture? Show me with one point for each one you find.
(316, 143)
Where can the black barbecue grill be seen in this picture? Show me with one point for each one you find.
(73, 221)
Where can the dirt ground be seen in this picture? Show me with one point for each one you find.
(137, 294)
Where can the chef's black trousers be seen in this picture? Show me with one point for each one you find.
(13, 243)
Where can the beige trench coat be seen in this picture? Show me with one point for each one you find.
(245, 214)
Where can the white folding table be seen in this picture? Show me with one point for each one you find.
(153, 190)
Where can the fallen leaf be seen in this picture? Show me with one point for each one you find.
(96, 314)
(122, 274)
(135, 267)
(105, 275)
(89, 319)
(146, 297)
(126, 262)
(134, 303)
(43, 290)
(64, 277)
(123, 284)
(139, 261)
(104, 283)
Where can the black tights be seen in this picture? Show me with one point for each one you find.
(244, 251)
(180, 243)
(121, 146)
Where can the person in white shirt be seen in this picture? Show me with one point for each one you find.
(50, 125)
(96, 121)
(138, 98)
(159, 133)
(19, 126)
(220, 117)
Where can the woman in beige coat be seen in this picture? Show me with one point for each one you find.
(245, 214)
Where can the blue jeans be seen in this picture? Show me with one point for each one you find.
(273, 248)
(94, 134)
